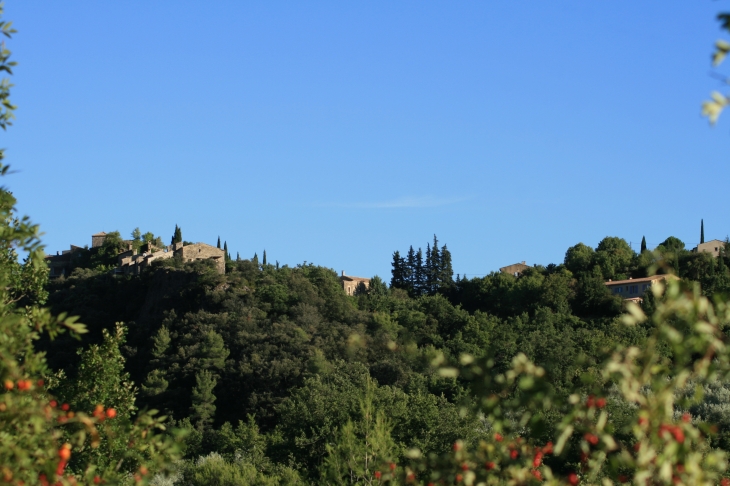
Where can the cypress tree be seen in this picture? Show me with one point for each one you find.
(263, 262)
(238, 257)
(277, 264)
(255, 259)
(219, 243)
(643, 244)
(702, 231)
(225, 251)
(177, 235)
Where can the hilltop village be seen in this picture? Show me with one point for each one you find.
(134, 256)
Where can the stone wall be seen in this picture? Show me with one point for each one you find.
(202, 251)
(350, 283)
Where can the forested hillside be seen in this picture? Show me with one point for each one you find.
(265, 365)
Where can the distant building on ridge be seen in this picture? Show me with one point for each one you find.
(515, 269)
(634, 288)
(350, 283)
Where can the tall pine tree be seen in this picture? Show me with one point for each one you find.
(435, 273)
(263, 260)
(643, 244)
(446, 272)
(419, 279)
(225, 251)
(219, 243)
(410, 270)
(203, 408)
(429, 272)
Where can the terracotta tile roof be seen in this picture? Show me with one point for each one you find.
(642, 280)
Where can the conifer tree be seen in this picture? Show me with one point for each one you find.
(643, 244)
(277, 264)
(702, 231)
(238, 257)
(410, 270)
(446, 272)
(225, 251)
(203, 408)
(429, 272)
(436, 270)
(419, 279)
(397, 279)
(263, 260)
(177, 235)
(219, 243)
(255, 259)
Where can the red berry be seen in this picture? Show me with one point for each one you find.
(9, 385)
(97, 479)
(601, 402)
(489, 466)
(65, 407)
(65, 452)
(465, 467)
(513, 454)
(678, 434)
(457, 446)
(591, 438)
(392, 466)
(111, 413)
(590, 401)
(623, 478)
(53, 403)
(725, 482)
(498, 437)
(459, 477)
(537, 474)
(573, 479)
(537, 459)
(686, 418)
(378, 474)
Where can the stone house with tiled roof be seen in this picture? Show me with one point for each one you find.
(350, 283)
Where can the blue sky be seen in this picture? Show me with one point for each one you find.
(338, 132)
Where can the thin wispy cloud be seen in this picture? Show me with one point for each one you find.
(401, 203)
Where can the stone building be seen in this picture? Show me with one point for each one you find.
(133, 262)
(202, 251)
(635, 288)
(515, 269)
(98, 239)
(62, 263)
(350, 283)
(712, 246)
